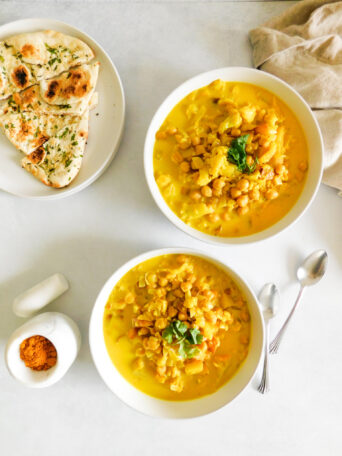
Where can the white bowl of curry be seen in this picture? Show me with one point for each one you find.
(234, 155)
(175, 333)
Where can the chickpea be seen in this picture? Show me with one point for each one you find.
(271, 194)
(172, 131)
(243, 185)
(213, 218)
(163, 281)
(303, 166)
(235, 132)
(242, 210)
(254, 194)
(182, 316)
(217, 192)
(235, 192)
(218, 184)
(249, 148)
(195, 195)
(186, 286)
(250, 160)
(138, 364)
(172, 311)
(161, 323)
(200, 150)
(195, 140)
(242, 201)
(161, 135)
(197, 163)
(206, 191)
(185, 167)
(129, 298)
(163, 180)
(177, 157)
(185, 144)
(226, 216)
(143, 332)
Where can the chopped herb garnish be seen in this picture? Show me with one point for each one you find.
(238, 156)
(74, 143)
(1, 58)
(179, 333)
(50, 49)
(68, 162)
(65, 132)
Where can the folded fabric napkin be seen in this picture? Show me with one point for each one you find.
(303, 46)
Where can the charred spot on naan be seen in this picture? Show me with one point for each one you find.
(37, 156)
(29, 95)
(25, 130)
(41, 139)
(21, 76)
(83, 134)
(75, 84)
(29, 51)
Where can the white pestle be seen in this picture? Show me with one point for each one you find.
(37, 297)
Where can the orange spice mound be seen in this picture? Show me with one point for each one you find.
(38, 353)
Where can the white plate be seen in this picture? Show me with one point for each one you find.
(105, 129)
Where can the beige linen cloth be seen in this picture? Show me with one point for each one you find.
(303, 46)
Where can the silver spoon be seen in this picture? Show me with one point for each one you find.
(268, 298)
(309, 273)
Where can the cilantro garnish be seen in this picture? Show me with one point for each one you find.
(238, 156)
(50, 49)
(178, 333)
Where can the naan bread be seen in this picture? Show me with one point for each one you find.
(30, 57)
(29, 130)
(68, 93)
(57, 162)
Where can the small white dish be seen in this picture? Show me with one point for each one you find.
(64, 334)
(285, 93)
(168, 409)
(105, 129)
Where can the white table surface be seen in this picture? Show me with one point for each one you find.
(156, 46)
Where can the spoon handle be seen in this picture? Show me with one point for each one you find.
(264, 386)
(274, 346)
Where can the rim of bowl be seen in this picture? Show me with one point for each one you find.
(101, 300)
(191, 85)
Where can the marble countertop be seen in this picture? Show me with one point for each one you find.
(156, 46)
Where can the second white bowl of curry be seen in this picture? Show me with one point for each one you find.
(233, 156)
(175, 333)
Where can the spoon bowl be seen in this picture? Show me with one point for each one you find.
(313, 268)
(268, 299)
(309, 273)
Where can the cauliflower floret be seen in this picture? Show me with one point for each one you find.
(248, 113)
(233, 120)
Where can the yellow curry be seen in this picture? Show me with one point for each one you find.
(230, 159)
(177, 327)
